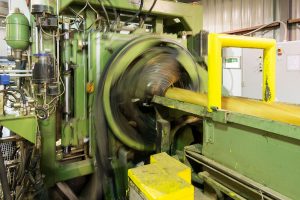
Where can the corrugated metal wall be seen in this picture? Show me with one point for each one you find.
(226, 15)
(295, 13)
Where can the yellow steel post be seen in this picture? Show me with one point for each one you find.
(269, 73)
(215, 44)
(214, 71)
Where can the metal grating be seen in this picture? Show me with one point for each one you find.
(8, 150)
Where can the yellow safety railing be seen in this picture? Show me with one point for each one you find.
(215, 44)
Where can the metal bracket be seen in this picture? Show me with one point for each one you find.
(220, 116)
(163, 139)
(209, 129)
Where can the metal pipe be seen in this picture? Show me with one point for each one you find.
(273, 111)
(55, 66)
(57, 60)
(14, 71)
(10, 138)
(57, 8)
(67, 78)
(89, 107)
(37, 46)
(41, 40)
(29, 57)
(67, 105)
(20, 75)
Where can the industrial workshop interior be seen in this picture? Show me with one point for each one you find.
(150, 99)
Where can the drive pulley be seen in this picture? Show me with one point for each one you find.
(144, 67)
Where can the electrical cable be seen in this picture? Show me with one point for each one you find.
(49, 110)
(105, 12)
(151, 8)
(41, 113)
(266, 25)
(98, 15)
(51, 35)
(114, 10)
(15, 90)
(82, 19)
(64, 89)
(137, 13)
(78, 14)
(11, 94)
(93, 8)
(148, 13)
(86, 4)
(90, 26)
(83, 30)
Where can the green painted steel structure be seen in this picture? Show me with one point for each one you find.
(265, 151)
(191, 15)
(25, 126)
(90, 61)
(54, 170)
(125, 57)
(88, 71)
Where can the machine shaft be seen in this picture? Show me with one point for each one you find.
(281, 112)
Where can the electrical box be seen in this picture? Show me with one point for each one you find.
(4, 79)
(232, 73)
(288, 72)
(246, 81)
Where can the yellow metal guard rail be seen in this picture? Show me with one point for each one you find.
(215, 44)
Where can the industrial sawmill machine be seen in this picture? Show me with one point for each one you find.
(123, 99)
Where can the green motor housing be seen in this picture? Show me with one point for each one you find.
(17, 30)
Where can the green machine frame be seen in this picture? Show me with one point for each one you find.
(243, 156)
(253, 157)
(191, 15)
(255, 153)
(88, 62)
